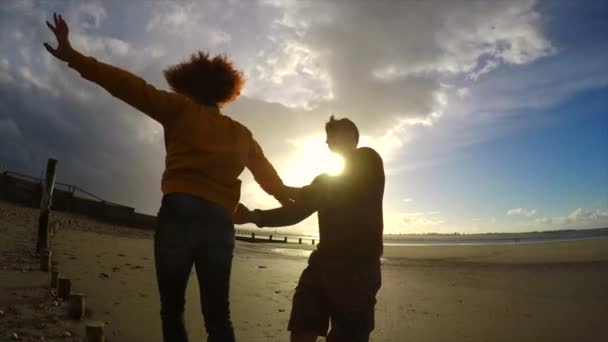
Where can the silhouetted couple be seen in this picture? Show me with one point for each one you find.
(206, 151)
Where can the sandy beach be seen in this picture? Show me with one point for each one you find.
(553, 291)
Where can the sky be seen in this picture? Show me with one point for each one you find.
(490, 116)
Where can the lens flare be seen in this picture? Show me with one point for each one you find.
(310, 158)
(335, 164)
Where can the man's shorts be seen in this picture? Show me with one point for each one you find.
(342, 291)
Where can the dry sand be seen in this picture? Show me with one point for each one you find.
(555, 291)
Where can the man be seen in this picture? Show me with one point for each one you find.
(343, 274)
(206, 153)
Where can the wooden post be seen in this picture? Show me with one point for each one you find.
(285, 239)
(270, 238)
(54, 278)
(94, 332)
(77, 306)
(313, 242)
(45, 206)
(45, 260)
(64, 287)
(252, 236)
(300, 241)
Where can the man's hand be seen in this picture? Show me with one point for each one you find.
(284, 200)
(293, 193)
(61, 32)
(288, 196)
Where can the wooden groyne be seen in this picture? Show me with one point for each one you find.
(255, 237)
(29, 191)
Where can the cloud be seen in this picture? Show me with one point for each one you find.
(170, 16)
(395, 66)
(544, 220)
(423, 219)
(104, 48)
(463, 92)
(586, 215)
(521, 212)
(5, 75)
(577, 219)
(294, 64)
(523, 90)
(398, 71)
(9, 129)
(91, 15)
(188, 21)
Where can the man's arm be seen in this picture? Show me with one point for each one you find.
(158, 104)
(306, 205)
(283, 216)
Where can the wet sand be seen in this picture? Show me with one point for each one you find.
(553, 291)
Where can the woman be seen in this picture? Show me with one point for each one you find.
(206, 152)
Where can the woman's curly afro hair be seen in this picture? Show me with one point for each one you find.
(209, 81)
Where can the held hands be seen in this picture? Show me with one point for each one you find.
(61, 32)
(243, 215)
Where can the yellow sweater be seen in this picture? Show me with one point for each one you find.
(206, 150)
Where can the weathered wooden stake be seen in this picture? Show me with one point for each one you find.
(270, 238)
(313, 242)
(53, 230)
(64, 287)
(285, 239)
(54, 278)
(76, 305)
(252, 236)
(45, 206)
(45, 259)
(94, 332)
(300, 241)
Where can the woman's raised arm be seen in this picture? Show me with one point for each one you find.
(159, 104)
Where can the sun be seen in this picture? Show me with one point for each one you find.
(310, 159)
(335, 165)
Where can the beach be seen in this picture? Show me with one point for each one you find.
(550, 291)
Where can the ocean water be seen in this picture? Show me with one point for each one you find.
(465, 242)
(457, 239)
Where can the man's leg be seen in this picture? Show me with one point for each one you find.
(303, 337)
(352, 297)
(309, 313)
(173, 263)
(213, 267)
(345, 334)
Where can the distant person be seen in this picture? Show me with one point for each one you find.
(343, 273)
(206, 152)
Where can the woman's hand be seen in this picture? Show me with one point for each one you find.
(61, 32)
(241, 215)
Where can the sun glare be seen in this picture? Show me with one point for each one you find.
(335, 164)
(311, 158)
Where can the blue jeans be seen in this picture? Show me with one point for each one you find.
(194, 231)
